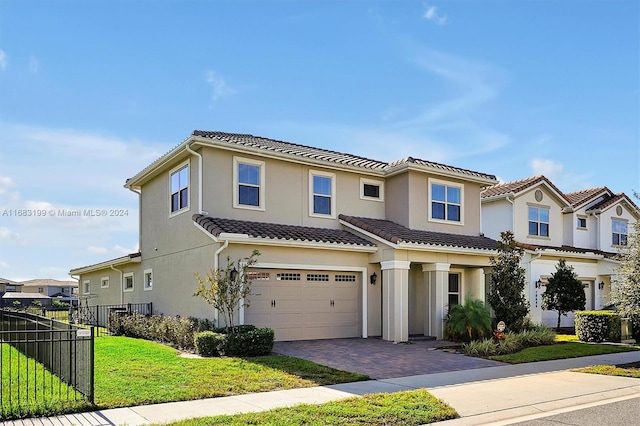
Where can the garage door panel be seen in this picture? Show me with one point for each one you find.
(308, 304)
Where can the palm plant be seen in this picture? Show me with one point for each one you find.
(469, 321)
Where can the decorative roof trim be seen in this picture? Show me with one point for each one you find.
(130, 258)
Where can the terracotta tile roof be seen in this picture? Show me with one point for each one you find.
(49, 282)
(443, 167)
(567, 249)
(519, 186)
(580, 197)
(292, 149)
(612, 200)
(217, 226)
(396, 233)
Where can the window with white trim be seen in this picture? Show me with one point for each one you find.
(582, 223)
(322, 188)
(248, 183)
(371, 189)
(128, 281)
(539, 221)
(619, 232)
(179, 189)
(86, 287)
(148, 279)
(445, 202)
(104, 282)
(40, 289)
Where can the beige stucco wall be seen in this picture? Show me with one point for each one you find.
(521, 225)
(497, 217)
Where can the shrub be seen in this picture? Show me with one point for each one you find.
(208, 343)
(469, 321)
(255, 342)
(58, 304)
(512, 342)
(597, 326)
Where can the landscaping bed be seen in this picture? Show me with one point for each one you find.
(623, 370)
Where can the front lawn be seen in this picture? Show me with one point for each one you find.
(623, 370)
(561, 350)
(401, 408)
(134, 371)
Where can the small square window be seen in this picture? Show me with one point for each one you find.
(86, 287)
(104, 282)
(582, 222)
(128, 281)
(371, 189)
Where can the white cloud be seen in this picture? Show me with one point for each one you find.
(5, 183)
(431, 14)
(8, 234)
(124, 250)
(4, 265)
(34, 65)
(3, 59)
(219, 85)
(549, 168)
(97, 250)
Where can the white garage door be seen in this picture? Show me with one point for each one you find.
(302, 305)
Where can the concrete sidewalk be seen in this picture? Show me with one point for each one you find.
(489, 395)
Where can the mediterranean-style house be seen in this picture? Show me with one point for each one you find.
(9, 286)
(585, 228)
(63, 291)
(350, 247)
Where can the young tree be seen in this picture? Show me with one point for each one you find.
(625, 291)
(564, 293)
(506, 289)
(469, 321)
(225, 289)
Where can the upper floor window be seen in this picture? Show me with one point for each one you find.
(248, 181)
(371, 189)
(180, 188)
(86, 287)
(539, 221)
(582, 223)
(619, 235)
(446, 202)
(40, 289)
(104, 282)
(322, 187)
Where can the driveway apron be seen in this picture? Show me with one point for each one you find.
(380, 359)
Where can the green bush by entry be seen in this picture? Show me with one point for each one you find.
(245, 341)
(513, 342)
(598, 326)
(208, 343)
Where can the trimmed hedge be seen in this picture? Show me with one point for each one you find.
(598, 326)
(208, 343)
(176, 331)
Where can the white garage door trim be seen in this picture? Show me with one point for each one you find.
(360, 269)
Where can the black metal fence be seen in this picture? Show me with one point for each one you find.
(96, 316)
(43, 362)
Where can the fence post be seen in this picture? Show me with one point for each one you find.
(91, 365)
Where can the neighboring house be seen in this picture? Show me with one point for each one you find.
(63, 291)
(20, 300)
(585, 228)
(349, 246)
(8, 286)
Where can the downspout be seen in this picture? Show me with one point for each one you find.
(596, 214)
(216, 262)
(513, 211)
(121, 284)
(197, 154)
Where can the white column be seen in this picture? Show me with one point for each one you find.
(395, 305)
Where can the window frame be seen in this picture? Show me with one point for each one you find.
(374, 182)
(102, 282)
(124, 280)
(86, 287)
(583, 218)
(430, 201)
(147, 273)
(332, 203)
(172, 172)
(529, 221)
(236, 184)
(459, 292)
(620, 234)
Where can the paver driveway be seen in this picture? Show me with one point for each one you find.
(380, 359)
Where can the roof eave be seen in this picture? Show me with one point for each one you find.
(107, 264)
(400, 168)
(242, 239)
(447, 249)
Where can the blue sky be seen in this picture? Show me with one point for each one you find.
(91, 92)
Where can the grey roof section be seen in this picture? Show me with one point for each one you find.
(217, 226)
(396, 233)
(292, 149)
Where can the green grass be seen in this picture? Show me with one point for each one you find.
(623, 370)
(134, 371)
(401, 408)
(562, 350)
(28, 388)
